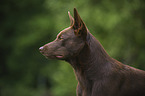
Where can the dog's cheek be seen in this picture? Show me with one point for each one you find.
(74, 49)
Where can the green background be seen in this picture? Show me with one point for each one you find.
(26, 25)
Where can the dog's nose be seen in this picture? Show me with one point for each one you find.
(41, 48)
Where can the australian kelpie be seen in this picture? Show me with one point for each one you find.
(97, 73)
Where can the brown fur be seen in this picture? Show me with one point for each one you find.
(98, 74)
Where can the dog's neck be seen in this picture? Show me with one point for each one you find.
(92, 58)
(92, 63)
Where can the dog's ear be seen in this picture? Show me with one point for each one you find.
(71, 19)
(79, 26)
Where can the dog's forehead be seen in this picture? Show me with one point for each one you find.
(67, 31)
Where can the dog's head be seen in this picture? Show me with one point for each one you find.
(69, 42)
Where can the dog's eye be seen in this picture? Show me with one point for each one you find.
(60, 37)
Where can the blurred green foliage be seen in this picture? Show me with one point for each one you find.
(25, 25)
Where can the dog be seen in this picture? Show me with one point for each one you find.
(97, 73)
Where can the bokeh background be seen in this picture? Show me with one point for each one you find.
(25, 25)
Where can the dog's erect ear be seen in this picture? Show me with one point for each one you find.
(71, 19)
(79, 26)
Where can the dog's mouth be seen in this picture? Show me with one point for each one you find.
(59, 56)
(54, 56)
